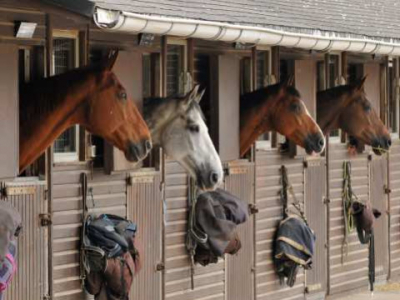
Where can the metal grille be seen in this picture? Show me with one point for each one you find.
(175, 67)
(64, 60)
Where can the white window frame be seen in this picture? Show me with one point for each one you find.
(182, 42)
(68, 156)
(396, 85)
(337, 139)
(267, 144)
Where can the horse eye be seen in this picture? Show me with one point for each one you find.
(295, 107)
(194, 128)
(123, 96)
(367, 107)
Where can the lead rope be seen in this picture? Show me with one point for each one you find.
(287, 187)
(194, 234)
(84, 212)
(348, 199)
(371, 267)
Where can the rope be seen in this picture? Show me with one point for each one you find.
(348, 199)
(371, 261)
(287, 187)
(194, 235)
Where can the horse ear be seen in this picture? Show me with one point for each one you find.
(289, 81)
(200, 95)
(360, 83)
(190, 97)
(112, 58)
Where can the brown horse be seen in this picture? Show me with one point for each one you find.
(92, 97)
(346, 107)
(279, 108)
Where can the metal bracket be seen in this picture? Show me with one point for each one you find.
(45, 220)
(160, 267)
(19, 190)
(327, 200)
(253, 209)
(387, 190)
(305, 164)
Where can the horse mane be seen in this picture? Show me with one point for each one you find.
(257, 98)
(42, 97)
(151, 104)
(334, 93)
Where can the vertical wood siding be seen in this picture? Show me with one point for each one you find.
(209, 281)
(348, 272)
(145, 207)
(395, 209)
(30, 281)
(268, 185)
(240, 267)
(109, 196)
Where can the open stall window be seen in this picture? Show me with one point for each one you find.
(263, 79)
(31, 67)
(65, 57)
(335, 79)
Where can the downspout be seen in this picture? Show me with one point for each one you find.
(137, 23)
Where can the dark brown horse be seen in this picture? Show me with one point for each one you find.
(278, 108)
(347, 108)
(92, 97)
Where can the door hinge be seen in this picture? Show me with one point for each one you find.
(253, 209)
(46, 297)
(387, 190)
(160, 267)
(327, 200)
(45, 220)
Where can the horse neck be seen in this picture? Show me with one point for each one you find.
(48, 109)
(250, 104)
(329, 108)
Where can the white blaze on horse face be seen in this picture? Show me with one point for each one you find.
(186, 139)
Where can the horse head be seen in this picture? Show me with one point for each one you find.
(177, 124)
(279, 108)
(113, 115)
(355, 115)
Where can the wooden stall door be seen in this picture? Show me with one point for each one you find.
(228, 107)
(379, 201)
(9, 124)
(145, 208)
(31, 279)
(240, 267)
(315, 209)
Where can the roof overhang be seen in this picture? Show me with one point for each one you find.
(82, 7)
(137, 23)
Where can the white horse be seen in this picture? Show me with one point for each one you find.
(177, 125)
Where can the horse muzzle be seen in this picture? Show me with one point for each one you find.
(381, 145)
(138, 151)
(209, 180)
(314, 143)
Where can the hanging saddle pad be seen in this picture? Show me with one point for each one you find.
(295, 241)
(217, 215)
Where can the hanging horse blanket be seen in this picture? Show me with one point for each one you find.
(294, 247)
(111, 259)
(217, 215)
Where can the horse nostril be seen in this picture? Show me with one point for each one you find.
(388, 143)
(147, 145)
(214, 178)
(321, 142)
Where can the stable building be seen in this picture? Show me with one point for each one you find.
(231, 48)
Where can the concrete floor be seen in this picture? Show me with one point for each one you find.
(377, 295)
(388, 291)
